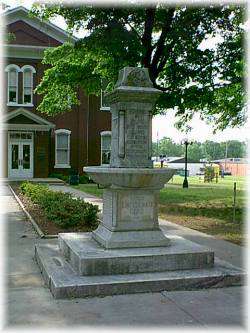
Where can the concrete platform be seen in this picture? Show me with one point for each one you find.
(64, 282)
(29, 304)
(87, 257)
(51, 181)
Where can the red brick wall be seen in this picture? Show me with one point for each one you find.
(85, 121)
(236, 169)
(41, 154)
(27, 35)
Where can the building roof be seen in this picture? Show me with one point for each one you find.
(22, 13)
(234, 160)
(182, 160)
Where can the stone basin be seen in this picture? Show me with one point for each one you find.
(130, 177)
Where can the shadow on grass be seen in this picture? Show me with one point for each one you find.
(222, 213)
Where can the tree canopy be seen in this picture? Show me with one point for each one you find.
(167, 41)
(208, 150)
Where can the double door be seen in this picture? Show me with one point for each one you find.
(20, 164)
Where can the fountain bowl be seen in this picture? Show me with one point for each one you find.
(130, 177)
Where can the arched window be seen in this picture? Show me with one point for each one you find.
(62, 145)
(28, 72)
(12, 92)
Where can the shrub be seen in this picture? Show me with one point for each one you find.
(61, 208)
(84, 179)
(61, 176)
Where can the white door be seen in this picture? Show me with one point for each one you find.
(20, 156)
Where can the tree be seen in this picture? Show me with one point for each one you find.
(208, 150)
(213, 150)
(234, 149)
(195, 152)
(166, 40)
(166, 146)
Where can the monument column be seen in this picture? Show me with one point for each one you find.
(130, 217)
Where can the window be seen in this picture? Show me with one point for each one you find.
(13, 82)
(13, 85)
(62, 144)
(104, 105)
(28, 72)
(27, 86)
(105, 147)
(12, 93)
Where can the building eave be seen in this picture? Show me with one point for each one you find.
(21, 111)
(21, 13)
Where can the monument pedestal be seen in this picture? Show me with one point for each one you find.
(130, 218)
(87, 257)
(128, 252)
(79, 267)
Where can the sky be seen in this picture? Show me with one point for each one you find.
(164, 125)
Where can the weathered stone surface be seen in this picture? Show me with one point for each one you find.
(131, 104)
(135, 77)
(130, 217)
(130, 213)
(126, 239)
(128, 253)
(64, 282)
(88, 258)
(130, 178)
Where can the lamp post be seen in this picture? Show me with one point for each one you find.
(186, 143)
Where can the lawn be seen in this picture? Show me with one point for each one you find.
(227, 182)
(204, 207)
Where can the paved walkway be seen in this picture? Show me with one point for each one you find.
(29, 303)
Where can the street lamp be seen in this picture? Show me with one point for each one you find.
(186, 143)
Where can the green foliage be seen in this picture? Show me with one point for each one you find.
(60, 176)
(10, 37)
(167, 41)
(208, 150)
(166, 146)
(61, 208)
(208, 174)
(84, 179)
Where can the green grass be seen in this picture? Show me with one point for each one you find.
(89, 188)
(227, 181)
(204, 207)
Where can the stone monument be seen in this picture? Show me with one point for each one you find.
(131, 184)
(128, 252)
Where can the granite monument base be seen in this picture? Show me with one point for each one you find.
(80, 267)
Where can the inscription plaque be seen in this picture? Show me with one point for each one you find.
(137, 207)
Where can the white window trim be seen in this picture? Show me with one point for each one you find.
(104, 133)
(57, 165)
(33, 71)
(8, 69)
(103, 108)
(16, 104)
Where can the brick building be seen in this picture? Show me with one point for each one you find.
(37, 145)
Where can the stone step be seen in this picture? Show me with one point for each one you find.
(87, 257)
(64, 282)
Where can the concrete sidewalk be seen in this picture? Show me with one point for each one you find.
(30, 304)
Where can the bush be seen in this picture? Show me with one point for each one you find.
(61, 208)
(84, 179)
(60, 176)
